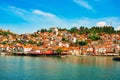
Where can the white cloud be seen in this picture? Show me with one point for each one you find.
(39, 12)
(84, 4)
(37, 19)
(101, 23)
(118, 28)
(17, 10)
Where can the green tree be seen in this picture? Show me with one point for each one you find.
(43, 30)
(5, 42)
(64, 39)
(74, 30)
(82, 43)
(62, 29)
(59, 51)
(49, 30)
(83, 30)
(31, 42)
(105, 29)
(94, 37)
(39, 43)
(5, 33)
(38, 31)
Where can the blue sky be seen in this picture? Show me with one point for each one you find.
(27, 16)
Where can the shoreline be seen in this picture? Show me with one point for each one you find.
(52, 55)
(56, 55)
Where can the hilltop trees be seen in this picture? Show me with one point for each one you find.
(5, 33)
(105, 29)
(93, 30)
(73, 30)
(62, 29)
(85, 30)
(44, 30)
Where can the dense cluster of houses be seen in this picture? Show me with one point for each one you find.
(50, 42)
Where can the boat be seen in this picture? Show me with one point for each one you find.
(2, 53)
(117, 58)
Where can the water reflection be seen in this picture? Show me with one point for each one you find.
(90, 60)
(57, 68)
(87, 60)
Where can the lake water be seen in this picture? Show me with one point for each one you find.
(56, 68)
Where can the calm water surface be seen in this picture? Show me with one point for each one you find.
(56, 68)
